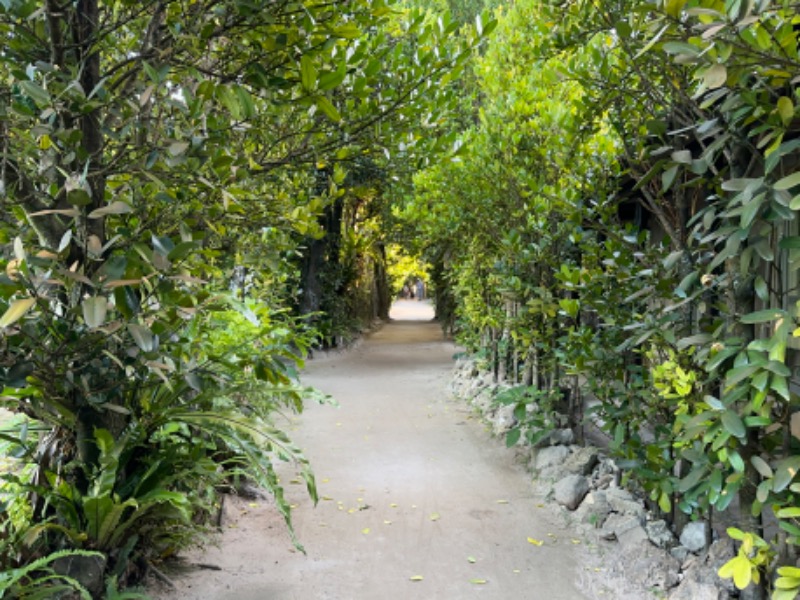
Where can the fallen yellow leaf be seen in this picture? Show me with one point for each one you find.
(387, 522)
(471, 559)
(393, 505)
(477, 581)
(576, 542)
(416, 578)
(535, 542)
(435, 516)
(502, 501)
(365, 531)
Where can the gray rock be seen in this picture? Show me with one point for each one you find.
(571, 490)
(86, 570)
(552, 456)
(602, 482)
(681, 553)
(503, 420)
(581, 461)
(594, 509)
(693, 536)
(651, 567)
(660, 535)
(691, 589)
(623, 502)
(627, 529)
(561, 437)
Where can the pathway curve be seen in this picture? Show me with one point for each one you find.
(417, 501)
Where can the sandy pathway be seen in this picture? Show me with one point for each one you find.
(411, 486)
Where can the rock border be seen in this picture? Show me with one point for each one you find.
(638, 550)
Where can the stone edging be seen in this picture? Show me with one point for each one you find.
(639, 551)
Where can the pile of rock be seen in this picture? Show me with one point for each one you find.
(636, 547)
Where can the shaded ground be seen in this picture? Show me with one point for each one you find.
(416, 500)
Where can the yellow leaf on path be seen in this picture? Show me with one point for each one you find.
(351, 511)
(387, 522)
(365, 531)
(477, 581)
(326, 480)
(416, 578)
(393, 505)
(576, 542)
(535, 542)
(471, 559)
(515, 571)
(435, 516)
(552, 535)
(328, 498)
(253, 504)
(502, 501)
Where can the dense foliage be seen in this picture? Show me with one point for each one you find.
(191, 198)
(621, 233)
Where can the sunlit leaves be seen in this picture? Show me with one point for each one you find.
(16, 310)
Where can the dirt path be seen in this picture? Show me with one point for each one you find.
(411, 486)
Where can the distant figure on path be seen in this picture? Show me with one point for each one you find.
(420, 289)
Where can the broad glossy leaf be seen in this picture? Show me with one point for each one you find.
(143, 337)
(94, 311)
(308, 73)
(16, 311)
(733, 423)
(715, 76)
(328, 108)
(763, 316)
(115, 208)
(788, 182)
(761, 466)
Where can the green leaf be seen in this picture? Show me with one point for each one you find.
(681, 48)
(732, 422)
(329, 109)
(791, 242)
(115, 208)
(785, 109)
(791, 512)
(788, 182)
(512, 437)
(735, 460)
(785, 470)
(763, 316)
(78, 197)
(143, 337)
(715, 76)
(16, 311)
(35, 92)
(94, 311)
(761, 466)
(692, 479)
(668, 177)
(308, 73)
(177, 148)
(332, 79)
